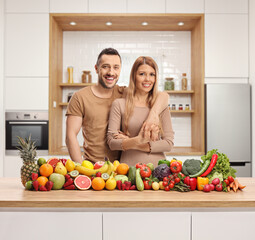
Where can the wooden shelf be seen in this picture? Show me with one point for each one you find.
(180, 91)
(182, 111)
(63, 104)
(76, 84)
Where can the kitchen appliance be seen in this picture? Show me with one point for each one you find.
(228, 123)
(24, 124)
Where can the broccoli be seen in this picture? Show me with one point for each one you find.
(191, 166)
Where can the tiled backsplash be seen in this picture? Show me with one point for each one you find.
(171, 51)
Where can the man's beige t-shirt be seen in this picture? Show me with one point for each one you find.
(95, 114)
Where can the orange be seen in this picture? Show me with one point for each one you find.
(42, 180)
(122, 169)
(98, 183)
(46, 170)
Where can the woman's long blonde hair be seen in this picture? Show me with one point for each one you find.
(132, 88)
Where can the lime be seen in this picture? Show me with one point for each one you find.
(74, 173)
(29, 185)
(41, 161)
(105, 176)
(87, 164)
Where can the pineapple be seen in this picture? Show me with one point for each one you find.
(27, 153)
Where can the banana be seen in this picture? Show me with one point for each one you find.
(110, 168)
(90, 172)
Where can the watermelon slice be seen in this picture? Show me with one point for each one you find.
(53, 162)
(82, 182)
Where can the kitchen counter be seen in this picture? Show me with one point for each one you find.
(13, 195)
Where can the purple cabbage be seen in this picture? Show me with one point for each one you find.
(161, 171)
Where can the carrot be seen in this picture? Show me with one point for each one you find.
(228, 187)
(235, 185)
(240, 186)
(231, 184)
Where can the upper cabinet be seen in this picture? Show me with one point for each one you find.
(27, 6)
(146, 6)
(68, 6)
(226, 6)
(109, 6)
(27, 45)
(185, 6)
(226, 45)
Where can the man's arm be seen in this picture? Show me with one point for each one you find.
(73, 126)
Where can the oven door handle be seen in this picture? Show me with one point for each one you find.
(27, 123)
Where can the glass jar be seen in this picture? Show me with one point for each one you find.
(184, 82)
(180, 107)
(169, 84)
(173, 107)
(86, 77)
(187, 107)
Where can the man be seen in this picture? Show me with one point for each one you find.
(89, 109)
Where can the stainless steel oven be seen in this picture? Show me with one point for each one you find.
(23, 124)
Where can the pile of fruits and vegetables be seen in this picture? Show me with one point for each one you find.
(212, 172)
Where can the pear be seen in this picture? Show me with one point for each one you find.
(60, 168)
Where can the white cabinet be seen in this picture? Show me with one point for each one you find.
(223, 225)
(146, 6)
(50, 225)
(226, 45)
(146, 225)
(27, 45)
(12, 165)
(226, 6)
(68, 6)
(109, 6)
(27, 6)
(26, 93)
(185, 6)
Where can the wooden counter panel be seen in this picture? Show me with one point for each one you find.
(12, 194)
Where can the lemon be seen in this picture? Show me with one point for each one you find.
(70, 165)
(110, 183)
(116, 163)
(87, 164)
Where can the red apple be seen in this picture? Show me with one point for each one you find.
(98, 164)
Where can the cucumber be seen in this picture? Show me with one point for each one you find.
(139, 181)
(202, 170)
(131, 174)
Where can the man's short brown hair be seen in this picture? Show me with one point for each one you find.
(107, 51)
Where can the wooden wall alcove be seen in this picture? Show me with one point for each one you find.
(127, 22)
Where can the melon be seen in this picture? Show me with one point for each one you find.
(82, 182)
(53, 162)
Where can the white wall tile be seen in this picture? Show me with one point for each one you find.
(26, 93)
(27, 6)
(185, 6)
(109, 6)
(146, 6)
(68, 6)
(226, 45)
(226, 6)
(27, 45)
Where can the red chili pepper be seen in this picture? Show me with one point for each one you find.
(211, 166)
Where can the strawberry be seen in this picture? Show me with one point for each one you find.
(123, 186)
(127, 185)
(133, 187)
(49, 185)
(34, 176)
(42, 188)
(36, 185)
(70, 187)
(67, 176)
(119, 184)
(98, 174)
(68, 182)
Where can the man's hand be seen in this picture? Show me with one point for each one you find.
(151, 131)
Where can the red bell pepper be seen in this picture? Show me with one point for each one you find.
(192, 182)
(211, 166)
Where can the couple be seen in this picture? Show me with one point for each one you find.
(89, 109)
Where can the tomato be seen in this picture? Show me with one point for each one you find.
(145, 172)
(175, 167)
(171, 185)
(165, 183)
(167, 188)
(165, 179)
(140, 165)
(177, 180)
(175, 175)
(226, 181)
(147, 184)
(230, 179)
(172, 181)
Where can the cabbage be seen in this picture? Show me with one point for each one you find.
(161, 171)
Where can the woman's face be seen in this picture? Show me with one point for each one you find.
(145, 78)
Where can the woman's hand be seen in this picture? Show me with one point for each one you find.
(151, 131)
(120, 135)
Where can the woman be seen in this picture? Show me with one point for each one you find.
(127, 116)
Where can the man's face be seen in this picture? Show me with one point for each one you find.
(108, 70)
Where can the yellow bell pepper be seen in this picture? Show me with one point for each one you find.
(201, 181)
(175, 160)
